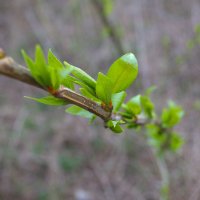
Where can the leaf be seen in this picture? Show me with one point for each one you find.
(53, 61)
(149, 90)
(83, 85)
(123, 72)
(76, 110)
(40, 60)
(33, 69)
(49, 100)
(114, 126)
(107, 7)
(83, 76)
(86, 93)
(147, 106)
(172, 115)
(104, 88)
(41, 65)
(55, 78)
(176, 141)
(155, 137)
(92, 119)
(68, 82)
(58, 72)
(30, 63)
(117, 100)
(65, 71)
(133, 106)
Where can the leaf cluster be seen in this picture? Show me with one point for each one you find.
(109, 91)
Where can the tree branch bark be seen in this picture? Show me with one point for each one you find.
(9, 68)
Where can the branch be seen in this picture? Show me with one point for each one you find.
(8, 67)
(109, 26)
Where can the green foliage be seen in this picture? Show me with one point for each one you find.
(104, 88)
(107, 6)
(49, 100)
(147, 106)
(117, 100)
(133, 106)
(48, 75)
(75, 110)
(163, 140)
(83, 77)
(123, 72)
(176, 141)
(172, 115)
(109, 91)
(114, 126)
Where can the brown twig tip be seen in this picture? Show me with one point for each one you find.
(2, 53)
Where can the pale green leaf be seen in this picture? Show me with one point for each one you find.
(76, 110)
(104, 88)
(114, 126)
(53, 61)
(148, 106)
(87, 94)
(49, 100)
(117, 100)
(134, 105)
(123, 72)
(35, 71)
(84, 77)
(172, 115)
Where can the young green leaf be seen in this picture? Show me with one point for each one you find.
(104, 88)
(156, 138)
(86, 93)
(150, 90)
(49, 100)
(39, 68)
(68, 82)
(55, 78)
(123, 72)
(172, 115)
(83, 76)
(176, 141)
(133, 106)
(85, 86)
(57, 71)
(41, 65)
(75, 110)
(117, 100)
(31, 65)
(53, 61)
(40, 59)
(114, 126)
(65, 71)
(148, 106)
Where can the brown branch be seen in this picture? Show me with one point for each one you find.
(8, 67)
(109, 26)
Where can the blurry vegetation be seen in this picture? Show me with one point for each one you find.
(34, 137)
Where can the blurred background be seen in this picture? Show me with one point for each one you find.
(47, 154)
